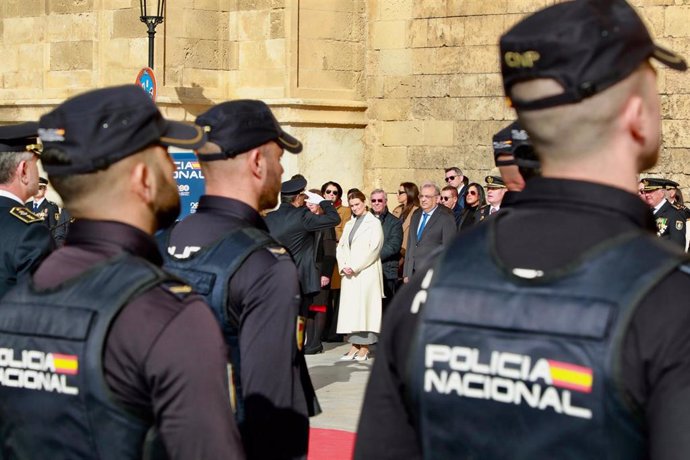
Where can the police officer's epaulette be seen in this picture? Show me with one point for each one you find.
(26, 216)
(278, 251)
(177, 288)
(679, 206)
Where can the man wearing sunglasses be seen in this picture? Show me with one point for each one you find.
(24, 243)
(455, 178)
(392, 242)
(449, 199)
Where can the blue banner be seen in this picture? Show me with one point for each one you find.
(190, 181)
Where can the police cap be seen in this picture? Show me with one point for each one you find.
(585, 45)
(514, 141)
(294, 186)
(239, 126)
(95, 129)
(653, 183)
(20, 137)
(494, 182)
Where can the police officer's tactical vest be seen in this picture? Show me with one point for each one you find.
(209, 271)
(55, 402)
(519, 364)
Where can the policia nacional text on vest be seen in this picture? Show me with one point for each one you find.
(55, 401)
(531, 362)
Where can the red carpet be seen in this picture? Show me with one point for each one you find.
(330, 444)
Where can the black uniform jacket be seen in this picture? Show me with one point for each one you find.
(670, 224)
(48, 210)
(552, 223)
(392, 242)
(294, 228)
(265, 292)
(24, 242)
(164, 356)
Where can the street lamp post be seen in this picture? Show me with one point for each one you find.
(151, 20)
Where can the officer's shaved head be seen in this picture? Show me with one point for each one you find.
(574, 130)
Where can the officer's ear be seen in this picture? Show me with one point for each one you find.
(256, 160)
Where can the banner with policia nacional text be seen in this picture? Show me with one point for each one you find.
(190, 180)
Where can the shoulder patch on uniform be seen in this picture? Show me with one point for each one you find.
(25, 215)
(680, 225)
(279, 251)
(180, 289)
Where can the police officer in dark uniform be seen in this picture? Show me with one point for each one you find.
(24, 243)
(249, 279)
(42, 206)
(495, 188)
(295, 226)
(105, 355)
(670, 222)
(553, 330)
(675, 197)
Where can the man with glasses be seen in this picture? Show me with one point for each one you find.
(24, 243)
(449, 199)
(455, 178)
(392, 242)
(670, 222)
(430, 229)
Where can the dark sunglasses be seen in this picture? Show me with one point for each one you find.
(445, 198)
(450, 178)
(377, 201)
(401, 192)
(331, 192)
(471, 192)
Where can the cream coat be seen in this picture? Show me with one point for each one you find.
(360, 295)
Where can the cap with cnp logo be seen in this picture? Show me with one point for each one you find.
(91, 131)
(239, 126)
(21, 137)
(585, 45)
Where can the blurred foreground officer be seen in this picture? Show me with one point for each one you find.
(105, 356)
(670, 222)
(249, 280)
(24, 243)
(570, 339)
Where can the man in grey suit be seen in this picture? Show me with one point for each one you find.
(430, 229)
(293, 225)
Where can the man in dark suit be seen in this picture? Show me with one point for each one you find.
(670, 222)
(24, 241)
(40, 205)
(293, 226)
(392, 242)
(430, 229)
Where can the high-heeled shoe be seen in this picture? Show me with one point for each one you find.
(363, 357)
(349, 356)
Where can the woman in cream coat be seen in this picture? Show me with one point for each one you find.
(362, 279)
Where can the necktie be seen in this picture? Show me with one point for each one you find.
(35, 207)
(425, 216)
(492, 210)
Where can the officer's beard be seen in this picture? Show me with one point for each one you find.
(168, 208)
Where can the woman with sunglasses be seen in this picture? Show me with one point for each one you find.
(334, 192)
(359, 260)
(408, 197)
(475, 199)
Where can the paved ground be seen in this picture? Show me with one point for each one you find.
(339, 386)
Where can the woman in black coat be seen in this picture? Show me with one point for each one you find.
(475, 199)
